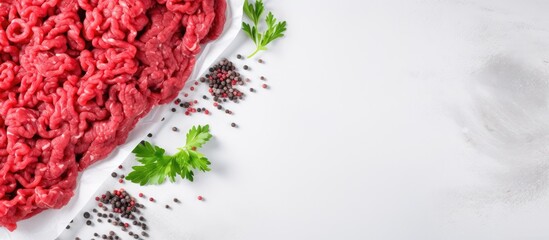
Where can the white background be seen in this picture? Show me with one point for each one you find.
(391, 119)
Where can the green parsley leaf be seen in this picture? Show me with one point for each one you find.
(157, 166)
(197, 136)
(274, 30)
(254, 12)
(146, 152)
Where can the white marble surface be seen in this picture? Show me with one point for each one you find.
(389, 119)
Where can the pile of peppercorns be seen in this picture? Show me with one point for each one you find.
(121, 202)
(124, 209)
(222, 79)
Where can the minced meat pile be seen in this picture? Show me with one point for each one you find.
(76, 76)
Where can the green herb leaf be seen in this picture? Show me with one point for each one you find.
(197, 136)
(153, 172)
(146, 152)
(157, 166)
(254, 12)
(274, 30)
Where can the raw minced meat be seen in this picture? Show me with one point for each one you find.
(76, 76)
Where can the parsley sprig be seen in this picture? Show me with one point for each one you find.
(274, 29)
(157, 165)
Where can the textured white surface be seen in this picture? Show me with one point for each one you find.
(388, 119)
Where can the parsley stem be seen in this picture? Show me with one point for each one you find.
(256, 51)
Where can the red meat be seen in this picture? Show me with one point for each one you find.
(75, 78)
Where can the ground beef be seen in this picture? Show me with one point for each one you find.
(76, 76)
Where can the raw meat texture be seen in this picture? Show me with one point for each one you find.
(76, 76)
